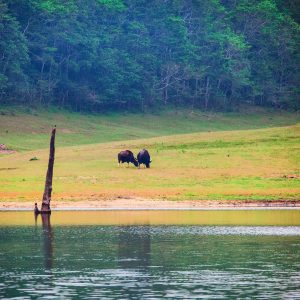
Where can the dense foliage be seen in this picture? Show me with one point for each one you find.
(133, 54)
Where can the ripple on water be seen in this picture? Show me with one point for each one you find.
(228, 230)
(134, 262)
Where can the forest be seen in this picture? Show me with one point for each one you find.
(135, 55)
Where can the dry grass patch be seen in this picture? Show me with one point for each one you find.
(238, 165)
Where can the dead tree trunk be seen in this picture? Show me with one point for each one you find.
(48, 184)
(207, 93)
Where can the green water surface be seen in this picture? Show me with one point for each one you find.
(48, 260)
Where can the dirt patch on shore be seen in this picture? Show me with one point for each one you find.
(7, 151)
(139, 203)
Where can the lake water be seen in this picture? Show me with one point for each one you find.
(150, 255)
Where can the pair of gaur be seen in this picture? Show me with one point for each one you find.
(143, 157)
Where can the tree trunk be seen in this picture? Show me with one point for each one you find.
(166, 94)
(207, 93)
(41, 80)
(48, 184)
(196, 93)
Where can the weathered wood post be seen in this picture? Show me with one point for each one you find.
(48, 184)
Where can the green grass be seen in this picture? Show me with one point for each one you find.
(249, 156)
(25, 130)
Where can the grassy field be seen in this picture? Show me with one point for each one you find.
(25, 130)
(202, 156)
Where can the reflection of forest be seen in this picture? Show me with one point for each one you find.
(134, 249)
(48, 240)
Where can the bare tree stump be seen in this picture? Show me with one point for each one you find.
(45, 209)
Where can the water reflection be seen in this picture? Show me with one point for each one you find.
(48, 240)
(148, 262)
(35, 219)
(134, 248)
(274, 217)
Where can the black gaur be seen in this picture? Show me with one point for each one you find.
(144, 158)
(127, 156)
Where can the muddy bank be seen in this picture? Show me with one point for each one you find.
(138, 203)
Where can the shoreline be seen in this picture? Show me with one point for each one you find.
(229, 208)
(138, 204)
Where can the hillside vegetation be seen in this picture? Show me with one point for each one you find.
(241, 163)
(110, 55)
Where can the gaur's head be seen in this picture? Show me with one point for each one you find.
(135, 162)
(148, 164)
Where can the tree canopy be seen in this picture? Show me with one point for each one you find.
(132, 54)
